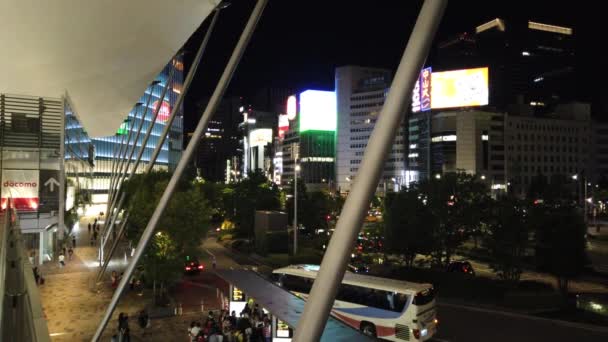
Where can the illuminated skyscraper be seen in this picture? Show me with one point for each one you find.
(101, 152)
(360, 95)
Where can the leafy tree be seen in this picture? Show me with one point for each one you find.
(408, 225)
(253, 193)
(507, 238)
(180, 231)
(459, 202)
(560, 238)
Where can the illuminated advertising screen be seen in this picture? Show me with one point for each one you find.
(283, 125)
(22, 187)
(291, 107)
(318, 111)
(448, 89)
(459, 88)
(425, 89)
(260, 137)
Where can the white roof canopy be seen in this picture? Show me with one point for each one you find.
(103, 53)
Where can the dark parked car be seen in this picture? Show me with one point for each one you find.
(192, 266)
(358, 268)
(461, 267)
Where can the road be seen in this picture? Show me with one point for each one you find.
(468, 324)
(458, 323)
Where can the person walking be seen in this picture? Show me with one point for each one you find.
(114, 278)
(214, 261)
(95, 236)
(123, 328)
(267, 330)
(61, 260)
(74, 241)
(144, 322)
(70, 253)
(89, 226)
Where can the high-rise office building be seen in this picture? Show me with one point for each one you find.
(220, 143)
(104, 151)
(360, 95)
(470, 141)
(529, 62)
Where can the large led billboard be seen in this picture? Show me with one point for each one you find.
(318, 111)
(459, 88)
(448, 89)
(260, 137)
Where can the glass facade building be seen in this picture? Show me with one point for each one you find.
(91, 159)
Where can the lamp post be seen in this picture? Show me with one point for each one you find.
(575, 177)
(295, 208)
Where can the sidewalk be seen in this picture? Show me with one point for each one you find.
(74, 308)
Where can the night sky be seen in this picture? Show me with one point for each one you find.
(298, 44)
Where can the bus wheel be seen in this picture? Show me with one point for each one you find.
(368, 329)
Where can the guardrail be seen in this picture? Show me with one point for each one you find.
(21, 315)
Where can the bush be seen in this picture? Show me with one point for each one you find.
(277, 242)
(478, 289)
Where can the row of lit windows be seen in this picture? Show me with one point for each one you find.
(550, 148)
(550, 138)
(367, 97)
(366, 105)
(547, 128)
(549, 159)
(364, 129)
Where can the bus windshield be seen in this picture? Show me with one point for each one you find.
(424, 297)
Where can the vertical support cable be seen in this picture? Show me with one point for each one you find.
(321, 299)
(168, 124)
(181, 166)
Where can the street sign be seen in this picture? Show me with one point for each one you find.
(49, 191)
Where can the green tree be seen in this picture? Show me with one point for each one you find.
(458, 202)
(507, 238)
(253, 193)
(180, 230)
(408, 225)
(560, 243)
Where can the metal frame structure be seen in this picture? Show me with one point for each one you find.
(333, 266)
(157, 149)
(185, 159)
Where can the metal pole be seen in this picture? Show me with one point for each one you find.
(61, 209)
(181, 96)
(295, 209)
(123, 160)
(585, 200)
(185, 88)
(183, 162)
(106, 262)
(122, 174)
(317, 308)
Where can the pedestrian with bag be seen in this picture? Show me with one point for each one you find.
(61, 260)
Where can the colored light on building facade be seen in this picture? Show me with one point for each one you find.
(291, 107)
(164, 112)
(318, 111)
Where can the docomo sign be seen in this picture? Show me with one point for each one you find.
(22, 187)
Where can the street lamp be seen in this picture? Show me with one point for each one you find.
(483, 177)
(295, 209)
(438, 176)
(575, 177)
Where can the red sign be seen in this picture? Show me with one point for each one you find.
(164, 112)
(22, 187)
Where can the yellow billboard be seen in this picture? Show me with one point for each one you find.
(459, 88)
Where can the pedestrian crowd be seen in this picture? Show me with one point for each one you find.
(252, 325)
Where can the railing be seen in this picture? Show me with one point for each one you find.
(21, 315)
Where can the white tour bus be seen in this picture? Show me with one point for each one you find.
(390, 309)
